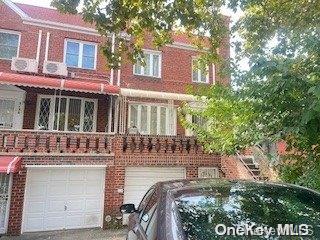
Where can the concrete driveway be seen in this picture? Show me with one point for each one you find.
(82, 234)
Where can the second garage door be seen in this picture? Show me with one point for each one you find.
(139, 179)
(63, 198)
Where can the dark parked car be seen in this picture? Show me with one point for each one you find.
(221, 209)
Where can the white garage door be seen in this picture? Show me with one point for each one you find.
(63, 198)
(139, 179)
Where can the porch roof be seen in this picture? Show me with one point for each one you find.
(10, 164)
(56, 83)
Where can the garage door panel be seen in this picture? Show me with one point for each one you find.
(76, 205)
(77, 175)
(93, 175)
(139, 179)
(34, 224)
(57, 189)
(69, 198)
(58, 175)
(35, 207)
(92, 219)
(75, 221)
(93, 189)
(53, 223)
(76, 188)
(92, 205)
(38, 176)
(55, 206)
(37, 190)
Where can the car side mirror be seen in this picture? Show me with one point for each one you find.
(127, 208)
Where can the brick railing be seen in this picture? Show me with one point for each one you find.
(31, 142)
(160, 144)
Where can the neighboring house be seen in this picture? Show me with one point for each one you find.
(78, 140)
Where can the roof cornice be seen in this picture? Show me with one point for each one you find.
(16, 9)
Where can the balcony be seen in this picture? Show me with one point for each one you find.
(161, 144)
(31, 142)
(53, 143)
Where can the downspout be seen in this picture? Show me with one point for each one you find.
(112, 51)
(39, 46)
(47, 46)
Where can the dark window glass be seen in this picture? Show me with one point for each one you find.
(239, 204)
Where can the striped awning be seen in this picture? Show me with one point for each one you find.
(56, 83)
(10, 164)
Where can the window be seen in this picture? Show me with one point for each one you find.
(66, 114)
(152, 67)
(194, 119)
(9, 44)
(152, 119)
(199, 75)
(80, 54)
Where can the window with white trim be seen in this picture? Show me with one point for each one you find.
(152, 66)
(9, 44)
(80, 54)
(199, 75)
(152, 119)
(66, 114)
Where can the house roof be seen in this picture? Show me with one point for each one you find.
(50, 14)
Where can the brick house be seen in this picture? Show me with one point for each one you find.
(76, 139)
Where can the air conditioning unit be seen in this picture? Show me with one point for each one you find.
(24, 65)
(55, 68)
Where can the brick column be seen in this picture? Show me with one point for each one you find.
(16, 203)
(229, 167)
(113, 198)
(191, 172)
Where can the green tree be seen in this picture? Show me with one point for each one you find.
(281, 39)
(278, 98)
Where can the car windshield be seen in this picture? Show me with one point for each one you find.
(249, 211)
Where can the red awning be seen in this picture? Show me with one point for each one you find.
(10, 164)
(56, 83)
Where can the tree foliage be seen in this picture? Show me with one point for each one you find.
(278, 98)
(281, 39)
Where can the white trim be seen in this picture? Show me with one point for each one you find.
(199, 72)
(52, 111)
(81, 43)
(186, 46)
(7, 213)
(129, 92)
(213, 73)
(47, 46)
(151, 53)
(65, 166)
(19, 40)
(11, 163)
(39, 45)
(61, 26)
(16, 9)
(113, 39)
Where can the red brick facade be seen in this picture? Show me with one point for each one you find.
(90, 149)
